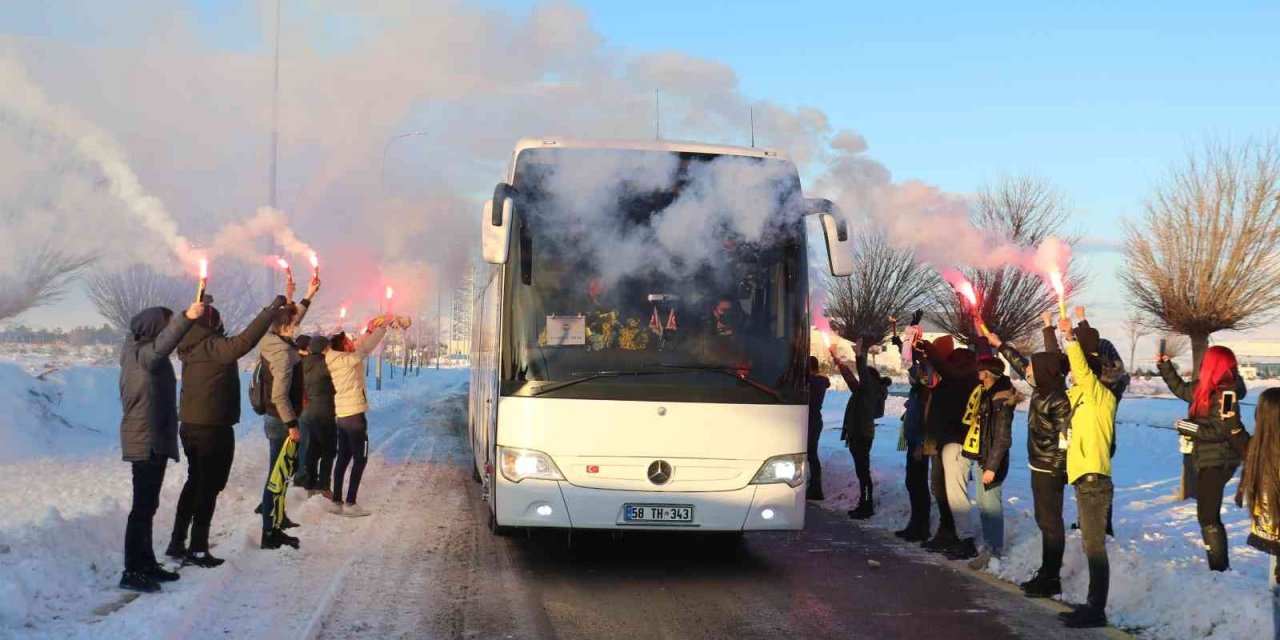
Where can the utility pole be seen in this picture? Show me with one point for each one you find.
(275, 148)
(439, 314)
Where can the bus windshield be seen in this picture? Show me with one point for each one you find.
(656, 275)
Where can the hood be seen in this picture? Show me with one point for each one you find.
(945, 345)
(1003, 390)
(1048, 370)
(198, 333)
(149, 323)
(965, 363)
(212, 320)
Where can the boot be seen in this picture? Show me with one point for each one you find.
(288, 524)
(940, 542)
(1042, 585)
(177, 550)
(1085, 617)
(1215, 542)
(961, 550)
(202, 559)
(160, 574)
(138, 581)
(275, 538)
(866, 509)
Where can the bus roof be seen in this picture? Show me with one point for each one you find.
(675, 146)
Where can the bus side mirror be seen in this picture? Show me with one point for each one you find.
(836, 232)
(495, 239)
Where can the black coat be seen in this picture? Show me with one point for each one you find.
(1211, 444)
(995, 434)
(1048, 417)
(149, 387)
(944, 416)
(866, 402)
(319, 388)
(210, 377)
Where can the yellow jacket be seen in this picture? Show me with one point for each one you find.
(1093, 419)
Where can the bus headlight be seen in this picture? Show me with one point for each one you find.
(788, 469)
(523, 464)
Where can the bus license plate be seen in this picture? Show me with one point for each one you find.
(659, 513)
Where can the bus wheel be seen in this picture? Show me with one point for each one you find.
(497, 529)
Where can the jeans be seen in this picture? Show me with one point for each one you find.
(860, 447)
(210, 450)
(990, 509)
(917, 482)
(148, 477)
(353, 448)
(938, 484)
(1047, 490)
(815, 460)
(955, 472)
(1093, 497)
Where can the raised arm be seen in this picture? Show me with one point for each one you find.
(228, 350)
(366, 344)
(1180, 388)
(152, 354)
(1015, 359)
(940, 364)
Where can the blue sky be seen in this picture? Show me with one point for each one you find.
(1100, 98)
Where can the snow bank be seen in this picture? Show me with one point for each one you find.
(1160, 583)
(66, 498)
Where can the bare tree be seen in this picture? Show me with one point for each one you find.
(41, 277)
(1135, 325)
(888, 282)
(1206, 255)
(120, 295)
(1175, 346)
(1024, 211)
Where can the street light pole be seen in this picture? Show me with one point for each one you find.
(275, 145)
(382, 172)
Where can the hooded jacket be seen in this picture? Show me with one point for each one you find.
(867, 399)
(995, 431)
(347, 370)
(282, 360)
(210, 378)
(319, 391)
(1093, 419)
(1048, 411)
(914, 409)
(149, 387)
(958, 375)
(1211, 447)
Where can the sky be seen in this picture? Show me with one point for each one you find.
(1098, 98)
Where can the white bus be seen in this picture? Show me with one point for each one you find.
(641, 336)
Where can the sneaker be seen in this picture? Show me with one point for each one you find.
(1085, 617)
(982, 560)
(275, 538)
(334, 507)
(1042, 586)
(911, 535)
(288, 524)
(354, 510)
(202, 559)
(138, 581)
(940, 542)
(961, 550)
(865, 510)
(176, 550)
(160, 574)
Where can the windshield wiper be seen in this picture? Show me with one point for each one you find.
(729, 371)
(584, 377)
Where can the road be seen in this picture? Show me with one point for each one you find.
(426, 566)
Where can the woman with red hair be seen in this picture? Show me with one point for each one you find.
(1214, 458)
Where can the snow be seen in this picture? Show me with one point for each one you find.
(67, 494)
(1160, 583)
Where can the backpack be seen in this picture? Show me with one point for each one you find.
(258, 388)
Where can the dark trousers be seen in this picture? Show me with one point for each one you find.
(300, 477)
(317, 460)
(1093, 497)
(938, 482)
(918, 492)
(1209, 485)
(860, 447)
(815, 460)
(210, 449)
(353, 448)
(274, 445)
(1047, 491)
(148, 477)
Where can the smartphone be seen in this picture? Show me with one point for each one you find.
(1228, 403)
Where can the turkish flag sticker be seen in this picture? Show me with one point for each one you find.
(591, 468)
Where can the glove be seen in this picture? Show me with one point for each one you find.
(917, 317)
(897, 342)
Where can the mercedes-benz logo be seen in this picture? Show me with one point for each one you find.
(660, 472)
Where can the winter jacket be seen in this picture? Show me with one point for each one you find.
(995, 428)
(282, 359)
(1114, 373)
(1048, 420)
(210, 377)
(818, 385)
(917, 400)
(1093, 419)
(149, 387)
(867, 402)
(1210, 446)
(347, 370)
(318, 392)
(944, 420)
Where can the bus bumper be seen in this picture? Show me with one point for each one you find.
(558, 504)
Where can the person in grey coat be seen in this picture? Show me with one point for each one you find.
(149, 431)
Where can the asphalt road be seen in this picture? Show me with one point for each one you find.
(434, 570)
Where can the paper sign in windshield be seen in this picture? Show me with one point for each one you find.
(566, 331)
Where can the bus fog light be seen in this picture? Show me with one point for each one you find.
(787, 469)
(767, 514)
(544, 510)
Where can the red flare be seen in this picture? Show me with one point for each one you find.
(204, 269)
(342, 313)
(826, 339)
(390, 292)
(965, 288)
(282, 263)
(315, 261)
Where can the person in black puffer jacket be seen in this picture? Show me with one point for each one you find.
(944, 432)
(1048, 423)
(318, 418)
(208, 410)
(1213, 456)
